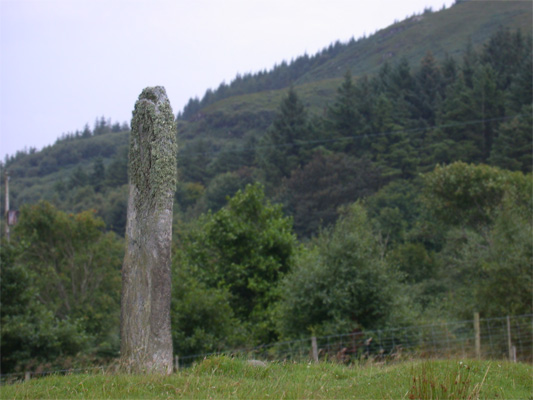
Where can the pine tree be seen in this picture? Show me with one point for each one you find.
(470, 61)
(458, 137)
(520, 91)
(488, 107)
(97, 177)
(343, 120)
(429, 88)
(512, 147)
(281, 148)
(505, 52)
(78, 178)
(449, 71)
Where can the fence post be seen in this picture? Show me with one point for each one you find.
(477, 331)
(176, 363)
(315, 348)
(27, 376)
(509, 342)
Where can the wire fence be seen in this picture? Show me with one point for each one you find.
(509, 338)
(497, 338)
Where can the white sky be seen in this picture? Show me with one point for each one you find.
(64, 63)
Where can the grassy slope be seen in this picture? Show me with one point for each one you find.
(443, 31)
(225, 378)
(447, 31)
(34, 187)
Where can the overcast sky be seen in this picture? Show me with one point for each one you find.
(64, 63)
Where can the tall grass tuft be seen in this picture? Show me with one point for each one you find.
(445, 381)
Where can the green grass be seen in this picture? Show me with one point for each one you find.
(222, 377)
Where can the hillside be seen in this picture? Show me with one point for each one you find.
(375, 184)
(228, 124)
(446, 32)
(239, 113)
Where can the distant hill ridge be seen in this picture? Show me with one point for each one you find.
(444, 32)
(222, 137)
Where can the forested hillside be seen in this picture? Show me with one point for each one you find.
(444, 33)
(380, 182)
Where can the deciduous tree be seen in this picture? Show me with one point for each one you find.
(245, 248)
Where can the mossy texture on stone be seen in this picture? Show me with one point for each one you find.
(153, 148)
(146, 340)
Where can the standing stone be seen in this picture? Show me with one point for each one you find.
(146, 342)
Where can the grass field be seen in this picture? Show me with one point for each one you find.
(222, 377)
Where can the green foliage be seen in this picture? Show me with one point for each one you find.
(117, 172)
(30, 333)
(414, 261)
(245, 248)
(97, 176)
(78, 266)
(430, 88)
(282, 149)
(490, 272)
(487, 258)
(116, 209)
(188, 194)
(78, 178)
(465, 247)
(507, 52)
(224, 186)
(469, 195)
(513, 144)
(342, 283)
(450, 382)
(413, 112)
(193, 158)
(343, 118)
(443, 32)
(395, 208)
(507, 280)
(314, 192)
(202, 318)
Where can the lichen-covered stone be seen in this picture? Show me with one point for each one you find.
(153, 148)
(146, 342)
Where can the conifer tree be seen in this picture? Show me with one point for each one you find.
(97, 176)
(429, 88)
(488, 107)
(512, 147)
(343, 118)
(282, 149)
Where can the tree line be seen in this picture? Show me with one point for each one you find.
(399, 123)
(412, 252)
(408, 197)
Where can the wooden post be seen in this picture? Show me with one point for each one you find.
(146, 341)
(314, 347)
(6, 214)
(477, 331)
(176, 363)
(509, 342)
(27, 376)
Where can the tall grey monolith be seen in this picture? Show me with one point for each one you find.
(146, 342)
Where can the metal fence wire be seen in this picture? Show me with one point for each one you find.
(501, 338)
